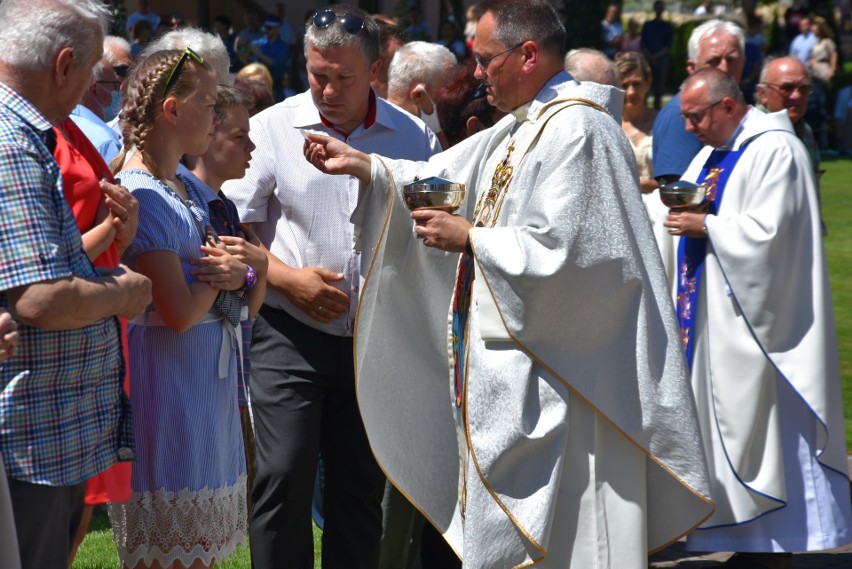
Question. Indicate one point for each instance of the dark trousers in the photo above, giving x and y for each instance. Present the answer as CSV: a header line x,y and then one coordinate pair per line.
x,y
659,74
303,400
46,520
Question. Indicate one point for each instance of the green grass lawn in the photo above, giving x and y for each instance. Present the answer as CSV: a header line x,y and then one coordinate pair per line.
x,y
837,211
98,551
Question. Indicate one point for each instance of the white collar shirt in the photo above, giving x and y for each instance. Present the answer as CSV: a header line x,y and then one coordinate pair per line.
x,y
301,214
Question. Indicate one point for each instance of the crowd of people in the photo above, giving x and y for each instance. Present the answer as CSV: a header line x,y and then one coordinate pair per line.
x,y
219,317
806,36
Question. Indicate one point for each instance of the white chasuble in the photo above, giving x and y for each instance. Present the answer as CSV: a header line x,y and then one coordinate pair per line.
x,y
579,440
765,371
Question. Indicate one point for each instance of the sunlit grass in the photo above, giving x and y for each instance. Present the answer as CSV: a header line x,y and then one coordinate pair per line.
x,y
837,211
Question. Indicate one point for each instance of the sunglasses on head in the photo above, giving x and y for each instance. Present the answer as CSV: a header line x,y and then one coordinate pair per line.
x,y
175,74
351,23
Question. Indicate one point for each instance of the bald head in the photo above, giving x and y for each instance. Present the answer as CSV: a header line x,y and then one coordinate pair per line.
x,y
591,65
712,105
785,84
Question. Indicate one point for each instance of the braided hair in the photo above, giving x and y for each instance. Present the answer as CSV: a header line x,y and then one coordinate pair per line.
x,y
143,98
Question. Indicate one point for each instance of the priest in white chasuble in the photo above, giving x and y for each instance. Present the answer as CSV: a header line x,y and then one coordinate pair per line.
x,y
529,395
756,319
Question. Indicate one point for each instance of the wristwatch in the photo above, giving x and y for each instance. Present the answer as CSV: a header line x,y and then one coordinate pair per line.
x,y
251,278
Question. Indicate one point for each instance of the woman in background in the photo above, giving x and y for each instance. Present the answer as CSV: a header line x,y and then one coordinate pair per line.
x,y
823,67
636,121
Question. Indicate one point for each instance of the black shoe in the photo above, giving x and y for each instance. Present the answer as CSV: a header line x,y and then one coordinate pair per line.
x,y
759,561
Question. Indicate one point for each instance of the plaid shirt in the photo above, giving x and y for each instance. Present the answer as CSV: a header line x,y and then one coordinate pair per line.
x,y
64,416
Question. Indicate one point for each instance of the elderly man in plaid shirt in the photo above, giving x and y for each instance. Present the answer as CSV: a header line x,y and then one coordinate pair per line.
x,y
63,414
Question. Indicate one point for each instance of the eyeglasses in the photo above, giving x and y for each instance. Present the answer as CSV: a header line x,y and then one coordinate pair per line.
x,y
111,85
351,23
121,70
698,115
786,89
173,76
482,62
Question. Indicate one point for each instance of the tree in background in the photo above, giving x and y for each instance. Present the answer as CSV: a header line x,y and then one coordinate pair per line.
x,y
583,22
119,18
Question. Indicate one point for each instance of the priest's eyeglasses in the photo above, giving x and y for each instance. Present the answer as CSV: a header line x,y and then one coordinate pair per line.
x,y
786,89
351,23
175,74
483,62
698,115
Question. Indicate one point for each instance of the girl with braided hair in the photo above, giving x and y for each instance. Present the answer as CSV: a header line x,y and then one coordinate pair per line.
x,y
188,503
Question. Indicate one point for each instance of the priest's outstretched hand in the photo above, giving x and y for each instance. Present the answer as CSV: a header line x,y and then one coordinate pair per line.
x,y
333,156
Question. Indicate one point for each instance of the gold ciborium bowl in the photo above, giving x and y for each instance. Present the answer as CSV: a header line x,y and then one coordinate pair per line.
x,y
433,193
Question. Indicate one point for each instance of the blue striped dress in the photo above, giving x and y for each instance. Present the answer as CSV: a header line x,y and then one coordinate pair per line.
x,y
188,481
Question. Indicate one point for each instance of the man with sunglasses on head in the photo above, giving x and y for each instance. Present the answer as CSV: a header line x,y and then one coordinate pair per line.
x,y
566,435
756,320
785,84
302,383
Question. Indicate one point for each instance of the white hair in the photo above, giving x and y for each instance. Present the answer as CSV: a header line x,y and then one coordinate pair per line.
x,y
587,64
418,62
710,28
113,44
98,71
207,45
32,32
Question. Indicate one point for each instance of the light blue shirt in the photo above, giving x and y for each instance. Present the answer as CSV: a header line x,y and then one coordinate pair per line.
x,y
103,138
802,46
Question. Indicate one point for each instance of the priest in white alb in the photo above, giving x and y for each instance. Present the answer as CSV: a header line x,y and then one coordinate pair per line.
x,y
755,312
529,396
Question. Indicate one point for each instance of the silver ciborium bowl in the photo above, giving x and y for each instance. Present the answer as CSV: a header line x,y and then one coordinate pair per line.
x,y
433,193
681,193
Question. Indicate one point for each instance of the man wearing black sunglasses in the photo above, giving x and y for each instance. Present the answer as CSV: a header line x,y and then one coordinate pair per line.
x,y
566,435
303,385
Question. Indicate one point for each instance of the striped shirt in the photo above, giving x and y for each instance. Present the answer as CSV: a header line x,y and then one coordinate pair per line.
x,y
64,416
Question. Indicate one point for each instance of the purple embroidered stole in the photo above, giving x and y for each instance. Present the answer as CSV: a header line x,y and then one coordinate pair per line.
x,y
692,251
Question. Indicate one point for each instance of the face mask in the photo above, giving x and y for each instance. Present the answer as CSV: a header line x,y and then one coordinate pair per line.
x,y
111,111
431,119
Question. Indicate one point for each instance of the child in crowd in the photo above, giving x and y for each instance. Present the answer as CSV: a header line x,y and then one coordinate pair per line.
x,y
227,158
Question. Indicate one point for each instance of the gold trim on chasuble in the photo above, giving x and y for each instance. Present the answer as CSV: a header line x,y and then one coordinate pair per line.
x,y
571,102
493,199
